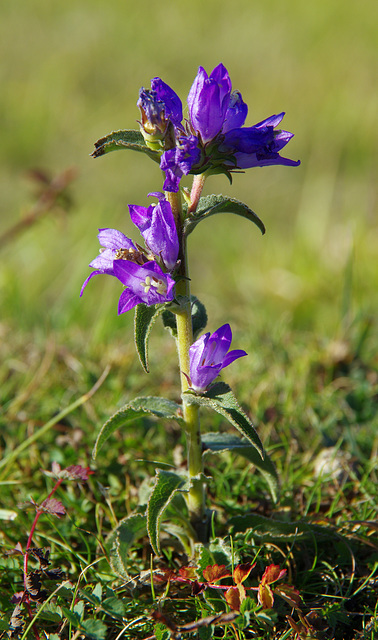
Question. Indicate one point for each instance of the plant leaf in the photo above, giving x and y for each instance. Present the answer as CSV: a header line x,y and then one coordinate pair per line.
x,y
210,205
123,139
122,538
144,319
271,530
218,442
150,405
166,485
221,399
94,629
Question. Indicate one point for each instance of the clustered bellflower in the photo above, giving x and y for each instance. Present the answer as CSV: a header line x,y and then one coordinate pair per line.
x,y
214,138
146,280
209,355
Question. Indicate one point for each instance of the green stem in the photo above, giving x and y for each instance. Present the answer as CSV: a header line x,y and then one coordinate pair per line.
x,y
196,496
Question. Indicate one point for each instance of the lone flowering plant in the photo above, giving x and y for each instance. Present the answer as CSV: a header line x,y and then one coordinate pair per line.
x,y
156,279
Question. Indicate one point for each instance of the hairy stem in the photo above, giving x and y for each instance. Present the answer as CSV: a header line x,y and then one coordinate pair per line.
x,y
196,497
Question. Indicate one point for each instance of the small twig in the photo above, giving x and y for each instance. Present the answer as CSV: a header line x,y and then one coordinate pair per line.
x,y
46,201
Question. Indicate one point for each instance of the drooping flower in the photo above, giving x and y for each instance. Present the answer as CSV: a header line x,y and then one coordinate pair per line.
x,y
209,355
115,246
145,283
158,228
159,106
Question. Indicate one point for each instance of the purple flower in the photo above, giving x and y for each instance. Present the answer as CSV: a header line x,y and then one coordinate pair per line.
x,y
145,284
208,101
116,245
257,146
159,106
158,228
179,161
208,356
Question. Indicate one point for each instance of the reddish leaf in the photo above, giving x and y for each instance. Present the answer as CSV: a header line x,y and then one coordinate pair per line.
x,y
232,596
290,594
53,506
265,596
188,573
241,572
76,472
272,573
215,572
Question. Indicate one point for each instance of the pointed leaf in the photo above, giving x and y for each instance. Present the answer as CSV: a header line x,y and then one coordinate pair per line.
x,y
122,538
272,573
124,139
218,442
270,530
144,319
137,408
210,205
166,485
221,399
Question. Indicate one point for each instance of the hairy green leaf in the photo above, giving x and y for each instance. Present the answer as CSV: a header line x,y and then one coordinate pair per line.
x,y
218,442
94,629
151,405
221,399
166,485
270,530
145,317
210,205
119,541
124,139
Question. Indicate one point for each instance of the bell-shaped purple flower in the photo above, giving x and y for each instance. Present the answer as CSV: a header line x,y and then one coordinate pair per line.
x,y
158,228
209,355
208,101
257,146
115,246
145,283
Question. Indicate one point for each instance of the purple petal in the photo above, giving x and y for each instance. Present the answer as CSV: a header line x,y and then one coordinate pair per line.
x,y
173,106
94,273
233,355
128,300
236,113
113,239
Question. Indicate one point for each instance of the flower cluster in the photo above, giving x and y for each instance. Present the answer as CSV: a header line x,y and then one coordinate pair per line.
x,y
144,272
213,139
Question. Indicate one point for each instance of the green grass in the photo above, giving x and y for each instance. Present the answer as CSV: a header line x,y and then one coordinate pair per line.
x,y
301,300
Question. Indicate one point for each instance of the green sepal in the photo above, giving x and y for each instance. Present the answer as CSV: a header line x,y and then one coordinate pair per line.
x,y
218,442
220,398
151,405
144,319
270,530
210,205
166,486
122,538
199,318
124,139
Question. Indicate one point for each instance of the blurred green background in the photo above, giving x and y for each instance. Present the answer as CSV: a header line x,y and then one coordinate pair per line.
x,y
70,73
